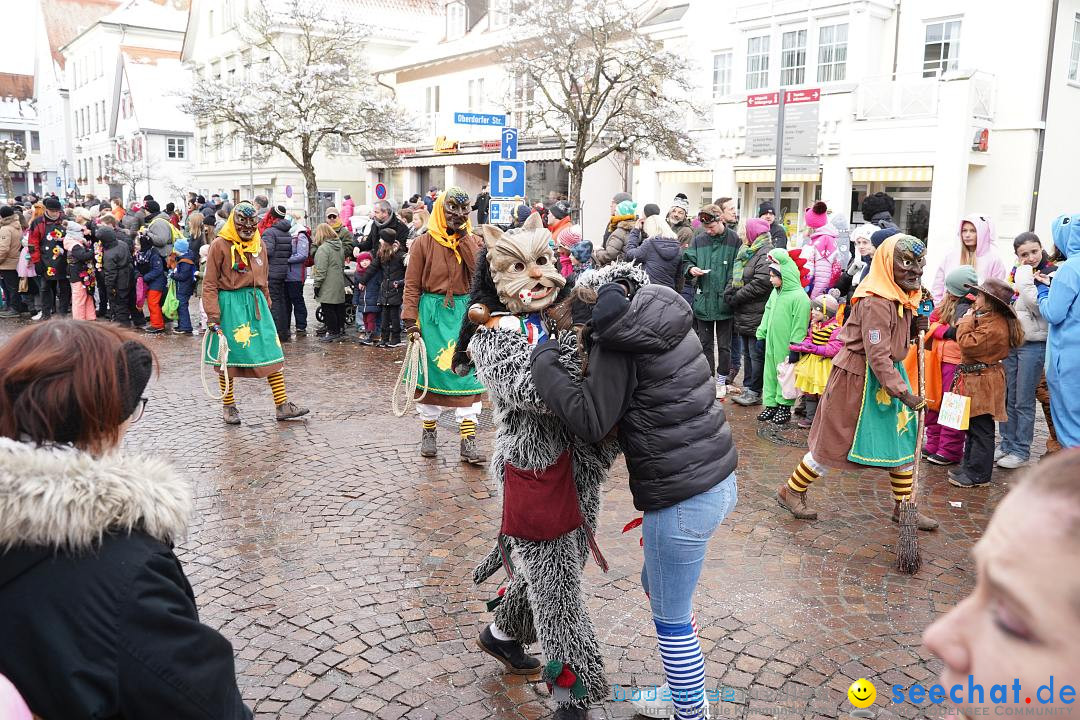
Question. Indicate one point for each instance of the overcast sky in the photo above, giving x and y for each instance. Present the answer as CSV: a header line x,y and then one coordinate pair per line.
x,y
17,50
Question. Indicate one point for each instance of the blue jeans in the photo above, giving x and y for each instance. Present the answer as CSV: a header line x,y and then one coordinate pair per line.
x,y
183,296
753,362
1023,368
676,539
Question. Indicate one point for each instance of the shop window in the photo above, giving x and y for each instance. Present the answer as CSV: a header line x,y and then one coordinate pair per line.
x,y
941,50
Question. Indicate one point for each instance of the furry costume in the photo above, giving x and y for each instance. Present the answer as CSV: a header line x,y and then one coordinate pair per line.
x,y
543,601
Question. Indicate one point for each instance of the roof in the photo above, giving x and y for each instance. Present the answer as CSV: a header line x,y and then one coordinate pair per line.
x,y
153,14
148,76
666,15
19,87
67,19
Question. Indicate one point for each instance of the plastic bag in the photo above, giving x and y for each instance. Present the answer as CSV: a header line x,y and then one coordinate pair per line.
x,y
170,307
785,375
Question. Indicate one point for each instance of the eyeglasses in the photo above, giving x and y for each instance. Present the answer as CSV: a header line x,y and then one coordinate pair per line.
x,y
707,218
331,217
139,410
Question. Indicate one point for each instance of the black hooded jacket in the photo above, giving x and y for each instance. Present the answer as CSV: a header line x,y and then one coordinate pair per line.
x,y
115,260
647,375
370,242
278,243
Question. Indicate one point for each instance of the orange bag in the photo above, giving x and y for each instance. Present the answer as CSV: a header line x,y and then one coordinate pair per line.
x,y
932,358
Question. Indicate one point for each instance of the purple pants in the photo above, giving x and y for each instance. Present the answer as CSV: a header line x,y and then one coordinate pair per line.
x,y
941,440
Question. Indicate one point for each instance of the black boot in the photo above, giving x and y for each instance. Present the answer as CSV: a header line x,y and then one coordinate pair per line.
x,y
767,414
510,653
782,416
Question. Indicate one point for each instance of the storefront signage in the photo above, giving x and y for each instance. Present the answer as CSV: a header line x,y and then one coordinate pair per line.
x,y
489,145
405,151
443,145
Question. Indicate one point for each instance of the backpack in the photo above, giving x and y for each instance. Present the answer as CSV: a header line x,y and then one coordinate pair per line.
x,y
144,231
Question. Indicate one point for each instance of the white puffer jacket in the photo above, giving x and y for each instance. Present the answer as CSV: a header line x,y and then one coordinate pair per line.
x,y
1027,305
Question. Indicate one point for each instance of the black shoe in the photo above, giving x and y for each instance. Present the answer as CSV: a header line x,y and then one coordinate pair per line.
x,y
153,331
782,416
570,712
960,479
767,414
939,459
509,652
367,339
189,333
395,343
301,331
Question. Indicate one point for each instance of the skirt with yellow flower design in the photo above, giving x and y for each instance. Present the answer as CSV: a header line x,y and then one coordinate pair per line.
x,y
440,324
254,347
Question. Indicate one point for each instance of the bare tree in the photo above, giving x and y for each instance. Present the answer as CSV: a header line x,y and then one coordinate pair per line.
x,y
316,92
585,73
128,172
12,155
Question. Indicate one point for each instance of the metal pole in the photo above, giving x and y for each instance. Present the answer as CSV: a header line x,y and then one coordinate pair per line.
x,y
779,154
1042,127
251,168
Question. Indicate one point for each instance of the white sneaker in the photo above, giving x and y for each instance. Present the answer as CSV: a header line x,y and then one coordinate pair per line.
x,y
1011,462
36,317
721,390
998,454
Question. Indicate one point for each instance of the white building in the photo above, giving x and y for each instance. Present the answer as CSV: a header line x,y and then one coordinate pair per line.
x,y
135,42
19,123
215,50
909,92
55,23
462,74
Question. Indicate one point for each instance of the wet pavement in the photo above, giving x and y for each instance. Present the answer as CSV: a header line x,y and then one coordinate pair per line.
x,y
338,561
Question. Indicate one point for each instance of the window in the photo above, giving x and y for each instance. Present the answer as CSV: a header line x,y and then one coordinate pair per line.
x,y
832,53
498,14
456,16
35,141
176,148
476,95
524,99
793,58
210,22
721,74
941,51
431,99
757,62
1074,56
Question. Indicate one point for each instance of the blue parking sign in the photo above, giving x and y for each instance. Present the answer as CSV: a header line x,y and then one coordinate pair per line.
x,y
509,145
507,178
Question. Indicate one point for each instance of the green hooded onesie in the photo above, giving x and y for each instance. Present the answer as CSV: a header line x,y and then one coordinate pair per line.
x,y
786,318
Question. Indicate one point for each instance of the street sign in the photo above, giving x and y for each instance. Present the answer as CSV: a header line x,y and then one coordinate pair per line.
x,y
508,150
59,182
467,118
800,122
507,178
501,212
71,185
288,191
380,191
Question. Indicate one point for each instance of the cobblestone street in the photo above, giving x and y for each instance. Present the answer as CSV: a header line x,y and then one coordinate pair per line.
x,y
338,561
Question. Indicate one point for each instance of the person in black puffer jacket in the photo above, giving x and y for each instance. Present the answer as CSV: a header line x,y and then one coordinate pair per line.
x,y
278,243
647,376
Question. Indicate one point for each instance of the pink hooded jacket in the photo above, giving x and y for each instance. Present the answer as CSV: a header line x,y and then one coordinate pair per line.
x,y
822,259
348,207
987,263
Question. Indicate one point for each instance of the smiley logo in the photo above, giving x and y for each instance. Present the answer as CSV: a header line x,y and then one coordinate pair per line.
x,y
862,693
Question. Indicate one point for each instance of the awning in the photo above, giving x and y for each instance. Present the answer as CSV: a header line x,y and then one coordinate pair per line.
x,y
768,176
685,176
892,174
472,158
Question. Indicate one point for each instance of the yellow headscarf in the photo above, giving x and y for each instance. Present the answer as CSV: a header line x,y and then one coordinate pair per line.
x,y
437,226
252,247
880,282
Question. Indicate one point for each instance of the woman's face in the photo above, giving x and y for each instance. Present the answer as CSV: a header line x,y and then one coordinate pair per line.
x,y
864,247
1021,623
1030,253
969,235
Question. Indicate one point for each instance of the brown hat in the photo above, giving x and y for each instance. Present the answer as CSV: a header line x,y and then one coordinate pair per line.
x,y
998,291
332,211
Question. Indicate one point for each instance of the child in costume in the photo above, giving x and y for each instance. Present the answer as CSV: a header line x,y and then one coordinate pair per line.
x,y
81,271
868,375
986,335
820,251
945,445
236,297
183,274
368,312
1058,296
787,315
974,246
1024,366
815,354
546,533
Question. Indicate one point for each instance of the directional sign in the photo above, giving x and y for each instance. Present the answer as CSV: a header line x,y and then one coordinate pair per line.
x,y
507,178
501,212
800,123
508,149
467,118
59,182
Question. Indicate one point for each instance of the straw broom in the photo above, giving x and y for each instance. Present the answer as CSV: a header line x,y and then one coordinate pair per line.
x,y
907,550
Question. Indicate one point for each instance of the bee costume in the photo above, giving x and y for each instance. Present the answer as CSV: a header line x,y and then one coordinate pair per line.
x,y
236,298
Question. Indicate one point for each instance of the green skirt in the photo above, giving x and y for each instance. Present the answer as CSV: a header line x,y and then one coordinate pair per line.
x,y
440,327
249,331
886,432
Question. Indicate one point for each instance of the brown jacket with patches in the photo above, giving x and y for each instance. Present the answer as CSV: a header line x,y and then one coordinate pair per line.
x,y
984,339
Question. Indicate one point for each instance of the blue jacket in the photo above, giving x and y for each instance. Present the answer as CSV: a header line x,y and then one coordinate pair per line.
x,y
301,241
152,268
184,274
1059,305
660,256
368,300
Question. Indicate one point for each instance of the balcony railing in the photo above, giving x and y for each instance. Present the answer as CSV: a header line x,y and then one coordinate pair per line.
x,y
913,96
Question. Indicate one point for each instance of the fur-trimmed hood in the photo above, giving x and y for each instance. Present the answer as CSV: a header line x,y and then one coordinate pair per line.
x,y
595,278
64,498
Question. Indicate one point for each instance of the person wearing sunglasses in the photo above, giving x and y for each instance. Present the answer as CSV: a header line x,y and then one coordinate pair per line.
x,y
709,261
97,615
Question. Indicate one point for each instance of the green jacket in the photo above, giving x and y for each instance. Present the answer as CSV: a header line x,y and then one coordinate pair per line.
x,y
715,253
785,322
329,276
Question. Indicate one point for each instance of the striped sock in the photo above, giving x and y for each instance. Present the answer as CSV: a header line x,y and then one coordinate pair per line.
x,y
804,475
468,428
277,386
901,484
429,424
684,668
228,398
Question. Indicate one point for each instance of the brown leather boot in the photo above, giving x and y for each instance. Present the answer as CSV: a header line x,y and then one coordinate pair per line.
x,y
925,522
795,503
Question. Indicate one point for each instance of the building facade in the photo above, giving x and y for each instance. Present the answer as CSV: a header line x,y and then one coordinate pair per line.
x,y
940,104
19,123
216,52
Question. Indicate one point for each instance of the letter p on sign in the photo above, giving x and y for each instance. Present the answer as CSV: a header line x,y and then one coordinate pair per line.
x,y
507,178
